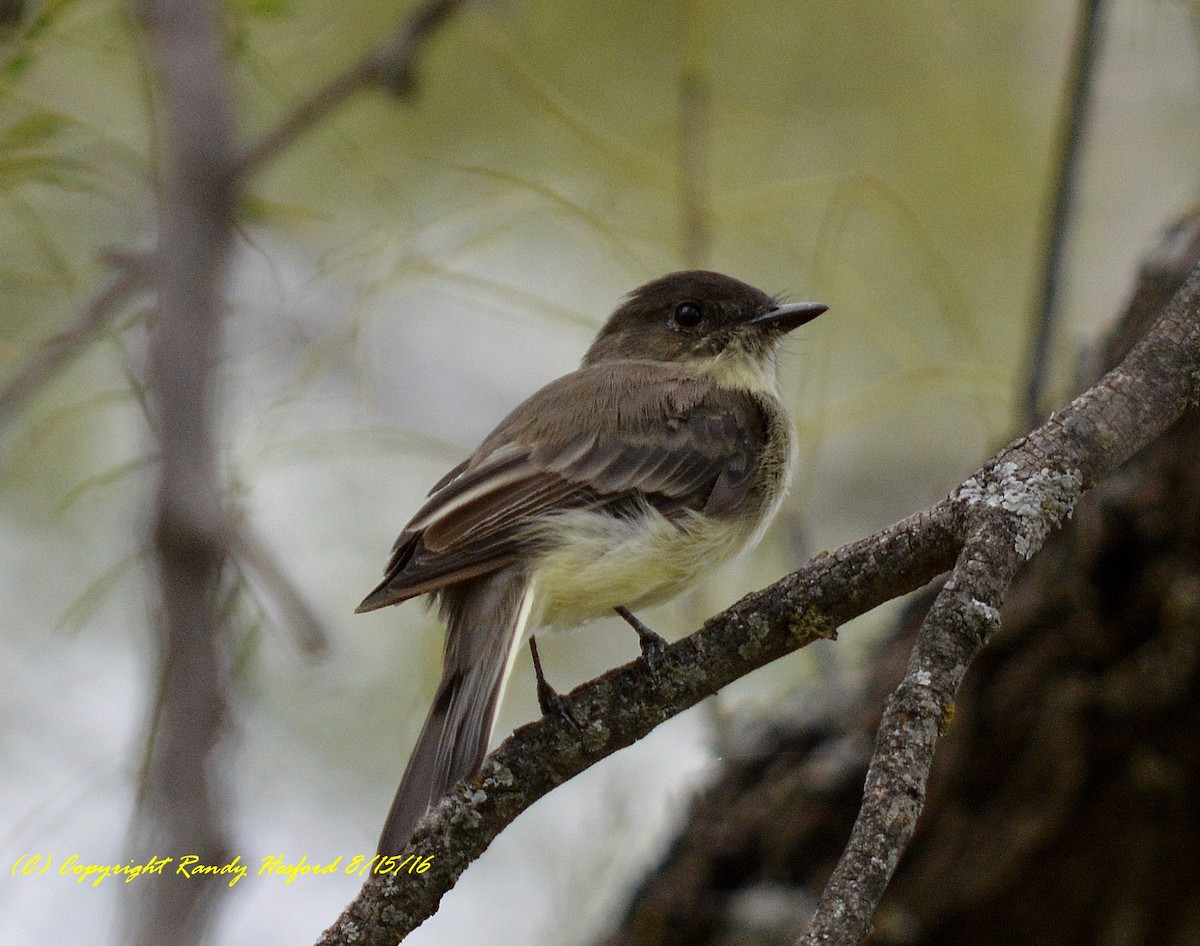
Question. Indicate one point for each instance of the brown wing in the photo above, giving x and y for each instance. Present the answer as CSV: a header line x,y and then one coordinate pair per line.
x,y
627,432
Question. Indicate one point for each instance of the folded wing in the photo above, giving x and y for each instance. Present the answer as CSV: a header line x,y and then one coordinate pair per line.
x,y
643,434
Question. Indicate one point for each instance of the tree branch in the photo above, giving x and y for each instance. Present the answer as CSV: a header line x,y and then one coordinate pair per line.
x,y
58,351
1013,503
1066,167
695,120
985,529
179,807
392,65
625,704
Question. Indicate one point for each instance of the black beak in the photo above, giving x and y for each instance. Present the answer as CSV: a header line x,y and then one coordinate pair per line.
x,y
784,318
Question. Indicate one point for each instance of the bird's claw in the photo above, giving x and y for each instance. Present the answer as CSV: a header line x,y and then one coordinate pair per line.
x,y
653,645
550,703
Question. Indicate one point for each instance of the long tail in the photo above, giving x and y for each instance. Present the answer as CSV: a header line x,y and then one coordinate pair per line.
x,y
485,620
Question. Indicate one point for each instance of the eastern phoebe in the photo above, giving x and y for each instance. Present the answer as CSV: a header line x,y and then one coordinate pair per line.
x,y
616,486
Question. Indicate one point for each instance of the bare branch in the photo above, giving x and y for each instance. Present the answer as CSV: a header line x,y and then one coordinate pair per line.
x,y
262,567
58,351
986,529
392,66
695,118
1013,503
1066,168
191,537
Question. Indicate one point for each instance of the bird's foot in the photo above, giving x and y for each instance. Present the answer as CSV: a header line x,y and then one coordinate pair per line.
x,y
653,645
550,703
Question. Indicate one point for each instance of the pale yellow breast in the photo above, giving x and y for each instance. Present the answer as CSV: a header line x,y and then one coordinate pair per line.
x,y
599,562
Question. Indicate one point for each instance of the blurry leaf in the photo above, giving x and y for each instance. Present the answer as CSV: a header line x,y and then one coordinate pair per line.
x,y
866,196
25,38
34,129
266,8
246,648
638,163
31,152
254,208
24,279
77,411
55,171
107,478
41,237
48,15
336,445
88,601
17,64
945,381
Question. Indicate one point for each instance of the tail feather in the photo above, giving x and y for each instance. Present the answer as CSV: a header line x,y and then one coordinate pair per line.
x,y
485,621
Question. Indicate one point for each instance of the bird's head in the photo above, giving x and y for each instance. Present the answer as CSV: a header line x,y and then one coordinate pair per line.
x,y
704,321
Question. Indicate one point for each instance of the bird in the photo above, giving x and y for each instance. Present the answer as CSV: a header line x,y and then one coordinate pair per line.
x,y
614,487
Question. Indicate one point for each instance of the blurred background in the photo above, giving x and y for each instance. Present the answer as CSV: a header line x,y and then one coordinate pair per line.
x,y
406,260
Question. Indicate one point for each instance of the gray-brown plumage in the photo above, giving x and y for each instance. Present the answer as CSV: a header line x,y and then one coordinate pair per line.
x,y
616,485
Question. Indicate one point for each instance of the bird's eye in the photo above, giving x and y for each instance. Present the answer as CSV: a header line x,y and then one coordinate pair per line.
x,y
687,315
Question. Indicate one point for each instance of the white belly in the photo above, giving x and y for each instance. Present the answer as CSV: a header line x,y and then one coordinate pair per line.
x,y
601,562
598,562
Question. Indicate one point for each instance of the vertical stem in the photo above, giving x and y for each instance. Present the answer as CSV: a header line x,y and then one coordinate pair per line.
x,y
1070,136
695,114
179,811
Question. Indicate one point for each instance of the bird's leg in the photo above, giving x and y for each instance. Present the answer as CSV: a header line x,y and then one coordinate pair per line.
x,y
549,701
653,644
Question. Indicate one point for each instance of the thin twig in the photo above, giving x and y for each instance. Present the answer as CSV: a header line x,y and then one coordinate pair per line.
x,y
695,108
392,66
260,566
59,351
989,526
1066,164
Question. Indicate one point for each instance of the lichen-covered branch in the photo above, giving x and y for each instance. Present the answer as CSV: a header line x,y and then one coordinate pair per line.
x,y
985,529
1012,505
1073,735
625,704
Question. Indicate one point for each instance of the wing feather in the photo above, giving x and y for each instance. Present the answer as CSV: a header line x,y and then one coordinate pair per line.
x,y
649,431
